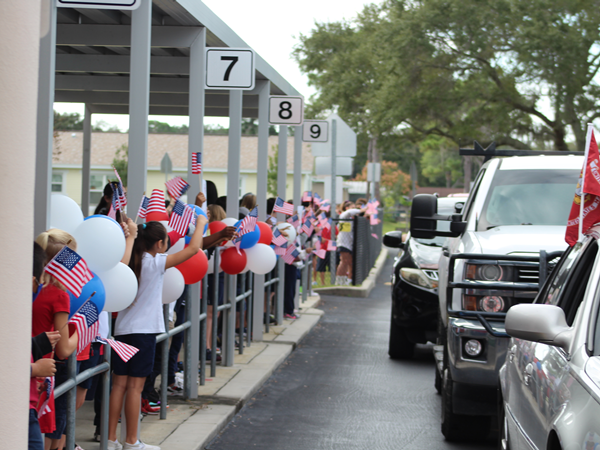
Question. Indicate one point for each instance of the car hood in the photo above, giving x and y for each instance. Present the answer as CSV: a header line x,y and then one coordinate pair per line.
x,y
522,239
425,256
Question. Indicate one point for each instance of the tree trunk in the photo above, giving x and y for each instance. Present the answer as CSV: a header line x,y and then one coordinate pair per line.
x,y
369,156
375,159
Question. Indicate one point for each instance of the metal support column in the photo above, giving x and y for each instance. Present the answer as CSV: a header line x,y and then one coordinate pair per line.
x,y
281,192
139,99
45,118
333,215
86,161
261,199
297,167
233,195
195,144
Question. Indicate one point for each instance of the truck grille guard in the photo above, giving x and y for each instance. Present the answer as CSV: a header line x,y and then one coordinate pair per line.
x,y
484,317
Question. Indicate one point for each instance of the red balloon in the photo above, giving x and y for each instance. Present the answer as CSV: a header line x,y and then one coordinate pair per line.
x,y
156,216
194,269
216,226
266,234
233,262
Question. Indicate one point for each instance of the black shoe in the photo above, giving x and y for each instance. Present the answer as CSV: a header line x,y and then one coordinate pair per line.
x,y
153,396
209,356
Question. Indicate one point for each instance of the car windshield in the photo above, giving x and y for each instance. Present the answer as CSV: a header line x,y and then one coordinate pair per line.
x,y
529,197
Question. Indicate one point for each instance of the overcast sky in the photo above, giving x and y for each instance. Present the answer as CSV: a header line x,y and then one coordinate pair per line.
x,y
271,28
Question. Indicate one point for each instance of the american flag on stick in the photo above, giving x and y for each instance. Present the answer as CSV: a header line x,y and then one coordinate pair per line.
x,y
307,227
46,400
278,239
321,253
325,206
331,246
307,196
86,323
291,254
125,351
177,187
120,191
144,205
281,250
197,162
294,220
284,207
248,223
70,269
181,218
317,199
157,202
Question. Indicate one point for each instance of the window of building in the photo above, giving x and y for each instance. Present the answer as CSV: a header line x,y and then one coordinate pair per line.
x,y
97,183
58,182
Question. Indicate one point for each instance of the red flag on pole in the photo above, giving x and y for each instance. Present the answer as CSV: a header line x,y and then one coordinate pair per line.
x,y
585,214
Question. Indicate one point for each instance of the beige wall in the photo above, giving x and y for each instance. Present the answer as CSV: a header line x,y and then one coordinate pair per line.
x,y
19,49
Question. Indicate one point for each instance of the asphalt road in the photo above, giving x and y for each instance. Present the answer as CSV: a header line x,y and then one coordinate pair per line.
x,y
339,389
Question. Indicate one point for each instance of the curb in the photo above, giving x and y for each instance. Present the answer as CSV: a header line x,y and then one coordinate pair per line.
x,y
364,290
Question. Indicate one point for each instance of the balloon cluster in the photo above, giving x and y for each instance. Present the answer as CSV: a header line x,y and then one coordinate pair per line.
x,y
254,254
101,243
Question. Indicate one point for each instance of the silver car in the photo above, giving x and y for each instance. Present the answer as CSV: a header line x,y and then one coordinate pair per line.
x,y
550,381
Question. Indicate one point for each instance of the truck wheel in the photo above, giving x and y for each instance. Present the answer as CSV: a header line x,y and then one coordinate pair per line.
x,y
457,427
400,347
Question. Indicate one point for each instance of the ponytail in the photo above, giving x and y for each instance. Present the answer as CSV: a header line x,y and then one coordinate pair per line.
x,y
52,242
149,234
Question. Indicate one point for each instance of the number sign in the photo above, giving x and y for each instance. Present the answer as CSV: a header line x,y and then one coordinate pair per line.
x,y
315,131
286,110
100,4
230,68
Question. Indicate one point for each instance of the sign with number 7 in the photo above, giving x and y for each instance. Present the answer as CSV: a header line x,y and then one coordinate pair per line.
x,y
286,110
230,68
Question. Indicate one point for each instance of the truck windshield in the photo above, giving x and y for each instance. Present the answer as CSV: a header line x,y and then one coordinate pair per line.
x,y
529,197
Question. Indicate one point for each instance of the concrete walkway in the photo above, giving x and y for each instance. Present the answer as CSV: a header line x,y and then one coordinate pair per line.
x,y
191,424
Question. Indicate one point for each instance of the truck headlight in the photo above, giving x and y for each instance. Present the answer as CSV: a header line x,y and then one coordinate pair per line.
x,y
488,272
418,278
486,303
473,347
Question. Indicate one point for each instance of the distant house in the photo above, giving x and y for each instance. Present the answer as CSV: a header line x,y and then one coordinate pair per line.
x,y
67,161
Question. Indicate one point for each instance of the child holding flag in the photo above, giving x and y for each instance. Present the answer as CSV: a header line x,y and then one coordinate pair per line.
x,y
139,324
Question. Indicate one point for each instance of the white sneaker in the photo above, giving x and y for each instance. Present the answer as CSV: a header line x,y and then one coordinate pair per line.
x,y
139,445
114,445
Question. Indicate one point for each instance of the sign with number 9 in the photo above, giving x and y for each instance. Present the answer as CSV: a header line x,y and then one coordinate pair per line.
x,y
315,131
286,110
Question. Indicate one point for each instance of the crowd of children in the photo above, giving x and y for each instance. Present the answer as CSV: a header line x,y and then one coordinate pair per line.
x,y
132,387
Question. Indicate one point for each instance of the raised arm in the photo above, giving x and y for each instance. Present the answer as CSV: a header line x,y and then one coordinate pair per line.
x,y
193,247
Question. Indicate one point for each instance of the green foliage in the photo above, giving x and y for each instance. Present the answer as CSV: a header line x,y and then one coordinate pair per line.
x,y
121,162
67,121
154,126
272,173
460,70
440,164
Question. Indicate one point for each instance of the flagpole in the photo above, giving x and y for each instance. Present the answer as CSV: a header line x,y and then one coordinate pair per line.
x,y
588,141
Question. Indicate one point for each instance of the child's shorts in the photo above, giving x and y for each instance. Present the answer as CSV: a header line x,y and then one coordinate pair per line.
x,y
141,364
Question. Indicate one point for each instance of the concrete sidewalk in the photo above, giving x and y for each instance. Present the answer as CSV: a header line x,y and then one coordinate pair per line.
x,y
192,424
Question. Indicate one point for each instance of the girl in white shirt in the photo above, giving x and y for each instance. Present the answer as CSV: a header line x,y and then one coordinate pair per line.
x,y
139,324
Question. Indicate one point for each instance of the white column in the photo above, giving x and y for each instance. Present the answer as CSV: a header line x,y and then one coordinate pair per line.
x,y
281,192
19,53
139,105
86,161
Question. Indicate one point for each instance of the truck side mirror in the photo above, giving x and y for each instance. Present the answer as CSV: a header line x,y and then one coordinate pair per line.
x,y
393,239
422,222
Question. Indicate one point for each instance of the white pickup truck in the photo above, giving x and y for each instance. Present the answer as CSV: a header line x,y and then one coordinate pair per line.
x,y
500,249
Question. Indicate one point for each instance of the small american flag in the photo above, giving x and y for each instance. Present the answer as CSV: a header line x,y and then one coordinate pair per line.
x,y
294,220
70,269
177,187
325,206
125,351
317,199
86,323
116,203
46,400
120,191
307,227
331,246
372,206
181,218
282,206
278,238
321,253
144,207
290,255
307,196
248,223
373,219
281,250
157,202
197,162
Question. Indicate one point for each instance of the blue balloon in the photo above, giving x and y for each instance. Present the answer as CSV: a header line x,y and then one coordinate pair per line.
x,y
200,212
95,284
249,239
187,240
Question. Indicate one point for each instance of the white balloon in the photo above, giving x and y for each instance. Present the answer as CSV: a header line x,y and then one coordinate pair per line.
x,y
101,242
165,224
120,285
178,246
289,229
230,221
173,285
65,214
261,259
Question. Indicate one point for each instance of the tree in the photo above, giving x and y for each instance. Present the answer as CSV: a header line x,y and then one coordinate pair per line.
x,y
67,121
394,183
154,126
121,162
272,172
440,162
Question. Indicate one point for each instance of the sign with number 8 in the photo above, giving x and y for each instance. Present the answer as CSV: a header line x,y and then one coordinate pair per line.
x,y
286,110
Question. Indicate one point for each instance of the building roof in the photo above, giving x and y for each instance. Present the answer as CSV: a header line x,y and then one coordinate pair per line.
x,y
68,147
